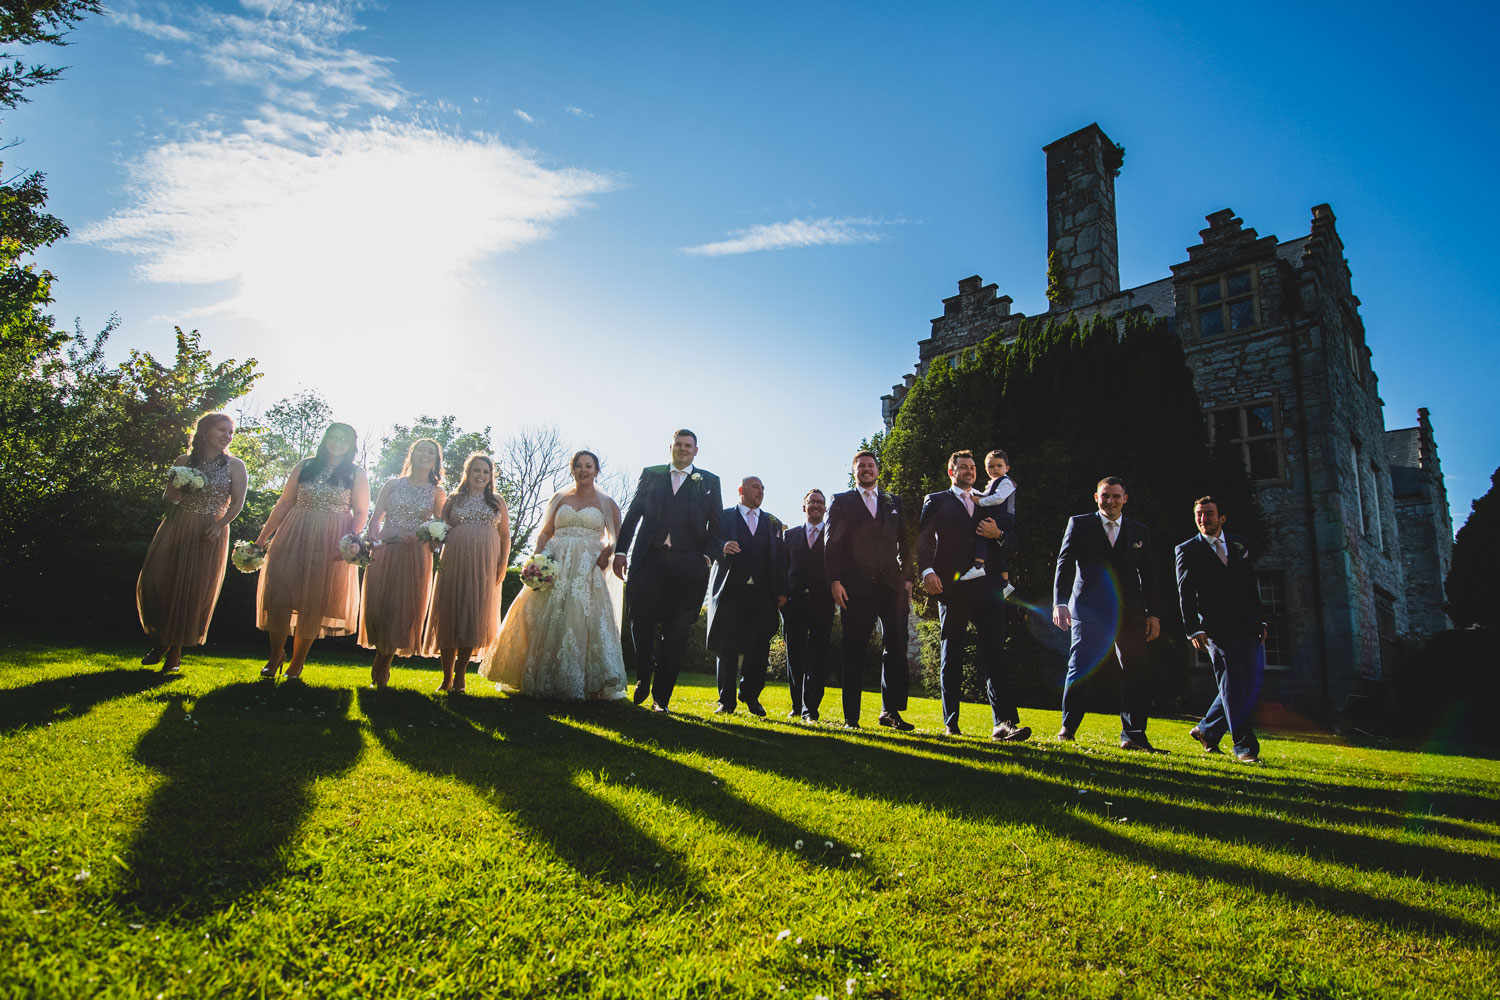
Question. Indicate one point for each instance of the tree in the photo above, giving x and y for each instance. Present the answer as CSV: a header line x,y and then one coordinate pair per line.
x,y
457,445
1071,404
1476,553
531,466
35,22
271,445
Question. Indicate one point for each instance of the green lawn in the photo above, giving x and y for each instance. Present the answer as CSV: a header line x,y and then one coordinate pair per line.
x,y
215,835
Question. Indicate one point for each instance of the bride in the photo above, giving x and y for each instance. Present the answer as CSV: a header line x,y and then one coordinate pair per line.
x,y
564,643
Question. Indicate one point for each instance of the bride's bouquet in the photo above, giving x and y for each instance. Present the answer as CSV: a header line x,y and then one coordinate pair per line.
x,y
356,549
247,556
540,572
185,477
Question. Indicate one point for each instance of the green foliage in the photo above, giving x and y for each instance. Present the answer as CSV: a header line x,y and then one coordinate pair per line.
x,y
272,445
457,445
1476,553
1114,159
35,22
1071,404
1058,292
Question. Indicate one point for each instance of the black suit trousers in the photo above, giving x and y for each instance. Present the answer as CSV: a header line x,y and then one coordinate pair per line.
x,y
808,625
976,601
666,592
1095,641
865,604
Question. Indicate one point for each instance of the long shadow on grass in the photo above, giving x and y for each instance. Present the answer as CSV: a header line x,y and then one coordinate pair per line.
x,y
531,761
61,698
1041,792
239,771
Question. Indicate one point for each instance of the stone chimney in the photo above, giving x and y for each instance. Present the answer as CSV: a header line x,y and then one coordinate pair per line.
x,y
1081,215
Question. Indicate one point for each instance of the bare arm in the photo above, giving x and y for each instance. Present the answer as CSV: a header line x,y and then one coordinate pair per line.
x,y
502,525
170,493
549,522
377,517
284,505
611,532
360,503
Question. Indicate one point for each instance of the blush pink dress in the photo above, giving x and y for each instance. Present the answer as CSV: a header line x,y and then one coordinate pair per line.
x,y
466,597
398,581
304,581
180,579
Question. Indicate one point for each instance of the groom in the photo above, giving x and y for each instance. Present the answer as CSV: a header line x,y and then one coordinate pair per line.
x,y
676,509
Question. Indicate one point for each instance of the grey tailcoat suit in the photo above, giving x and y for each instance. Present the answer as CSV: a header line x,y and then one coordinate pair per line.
x,y
742,602
1110,592
1223,601
667,582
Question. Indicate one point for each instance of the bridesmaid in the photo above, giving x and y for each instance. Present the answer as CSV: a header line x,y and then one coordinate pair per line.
x,y
398,580
305,587
465,615
184,569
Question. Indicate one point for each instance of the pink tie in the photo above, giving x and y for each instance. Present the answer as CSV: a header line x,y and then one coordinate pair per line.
x,y
968,503
1222,552
750,519
870,501
676,480
1111,525
812,536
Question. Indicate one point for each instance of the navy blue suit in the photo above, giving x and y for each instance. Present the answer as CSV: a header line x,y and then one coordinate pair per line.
x,y
1110,592
742,602
945,545
1223,601
867,554
807,618
667,582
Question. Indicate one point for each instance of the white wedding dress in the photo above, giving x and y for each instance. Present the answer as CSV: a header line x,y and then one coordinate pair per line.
x,y
564,643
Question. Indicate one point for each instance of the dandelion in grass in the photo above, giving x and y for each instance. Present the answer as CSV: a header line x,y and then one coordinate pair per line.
x,y
828,844
849,986
856,854
798,845
786,932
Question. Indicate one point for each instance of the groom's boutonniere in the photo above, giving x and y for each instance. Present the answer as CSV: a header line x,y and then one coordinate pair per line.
x,y
696,477
1137,545
1239,550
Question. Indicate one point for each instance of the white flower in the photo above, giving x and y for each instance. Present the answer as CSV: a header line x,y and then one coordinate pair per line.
x,y
849,986
828,844
185,477
785,933
82,876
856,854
695,477
798,845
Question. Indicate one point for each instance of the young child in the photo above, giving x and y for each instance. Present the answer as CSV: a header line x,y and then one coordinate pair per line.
x,y
1000,492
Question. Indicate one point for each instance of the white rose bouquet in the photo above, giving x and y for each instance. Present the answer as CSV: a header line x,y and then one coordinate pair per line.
x,y
432,532
185,477
247,557
540,572
356,549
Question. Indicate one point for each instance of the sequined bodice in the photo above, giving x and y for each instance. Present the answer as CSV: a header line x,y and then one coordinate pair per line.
x,y
470,508
324,496
214,497
407,505
575,523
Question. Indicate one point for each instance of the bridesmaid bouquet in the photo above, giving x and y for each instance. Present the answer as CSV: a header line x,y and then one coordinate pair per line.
x,y
540,572
185,477
432,532
356,549
247,556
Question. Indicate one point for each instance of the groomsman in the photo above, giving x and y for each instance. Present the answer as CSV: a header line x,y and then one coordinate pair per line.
x,y
869,576
748,588
1105,593
945,550
1221,609
807,616
673,522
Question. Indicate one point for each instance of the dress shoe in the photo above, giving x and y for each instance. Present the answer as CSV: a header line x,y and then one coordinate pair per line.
x,y
1247,757
1202,737
809,716
894,721
1140,745
658,707
1007,733
952,730
795,713
721,709
754,708
1066,735
850,725
642,692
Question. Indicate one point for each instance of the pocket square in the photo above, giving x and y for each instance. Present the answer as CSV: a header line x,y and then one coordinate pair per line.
x,y
1137,545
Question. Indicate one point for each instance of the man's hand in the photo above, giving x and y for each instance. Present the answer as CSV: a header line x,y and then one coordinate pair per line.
x,y
620,565
731,548
932,584
1153,628
1200,642
1061,618
840,595
989,529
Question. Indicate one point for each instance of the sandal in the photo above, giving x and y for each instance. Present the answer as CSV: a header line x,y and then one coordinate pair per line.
x,y
269,671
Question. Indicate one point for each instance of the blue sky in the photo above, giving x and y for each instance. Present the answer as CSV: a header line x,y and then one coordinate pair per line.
x,y
739,218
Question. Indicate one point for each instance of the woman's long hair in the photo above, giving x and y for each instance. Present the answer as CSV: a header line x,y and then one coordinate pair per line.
x,y
343,473
489,487
436,475
198,446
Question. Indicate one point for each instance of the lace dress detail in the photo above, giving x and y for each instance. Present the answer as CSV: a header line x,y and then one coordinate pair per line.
x,y
183,572
564,643
398,581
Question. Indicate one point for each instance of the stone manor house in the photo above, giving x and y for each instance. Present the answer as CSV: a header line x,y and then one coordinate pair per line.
x,y
1360,539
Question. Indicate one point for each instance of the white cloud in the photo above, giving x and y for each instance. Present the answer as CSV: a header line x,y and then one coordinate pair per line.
x,y
155,29
158,59
794,233
574,109
371,232
524,116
